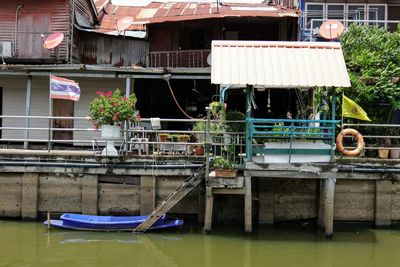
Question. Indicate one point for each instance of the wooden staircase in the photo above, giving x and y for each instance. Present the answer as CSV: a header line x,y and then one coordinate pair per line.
x,y
190,183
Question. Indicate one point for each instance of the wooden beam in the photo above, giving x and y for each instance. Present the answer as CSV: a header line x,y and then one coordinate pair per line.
x,y
209,209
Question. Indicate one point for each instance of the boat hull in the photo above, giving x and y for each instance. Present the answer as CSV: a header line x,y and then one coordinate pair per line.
x,y
106,222
61,224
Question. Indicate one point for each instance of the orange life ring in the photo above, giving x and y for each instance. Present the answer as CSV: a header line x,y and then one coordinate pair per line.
x,y
360,142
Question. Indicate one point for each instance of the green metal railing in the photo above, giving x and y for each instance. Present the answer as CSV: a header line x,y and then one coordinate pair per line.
x,y
260,131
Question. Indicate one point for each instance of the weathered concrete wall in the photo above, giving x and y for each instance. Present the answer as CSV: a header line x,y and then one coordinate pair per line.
x,y
354,200
10,195
28,195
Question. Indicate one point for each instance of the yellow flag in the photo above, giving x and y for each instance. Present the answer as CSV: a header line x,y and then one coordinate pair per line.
x,y
352,110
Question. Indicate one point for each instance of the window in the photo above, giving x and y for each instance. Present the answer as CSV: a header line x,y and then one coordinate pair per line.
x,y
355,12
343,12
335,11
314,11
376,12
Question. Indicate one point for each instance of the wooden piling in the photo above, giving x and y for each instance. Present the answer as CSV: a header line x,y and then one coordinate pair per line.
x,y
209,209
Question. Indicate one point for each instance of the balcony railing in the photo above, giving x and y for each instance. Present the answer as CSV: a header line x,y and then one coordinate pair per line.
x,y
179,59
265,139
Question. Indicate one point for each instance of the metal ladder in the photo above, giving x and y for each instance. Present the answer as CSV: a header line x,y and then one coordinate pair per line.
x,y
188,185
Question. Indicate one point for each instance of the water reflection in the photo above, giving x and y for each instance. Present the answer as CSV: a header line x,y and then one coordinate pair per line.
x,y
29,244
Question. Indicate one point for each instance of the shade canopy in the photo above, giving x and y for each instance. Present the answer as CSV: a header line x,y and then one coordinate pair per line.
x,y
278,64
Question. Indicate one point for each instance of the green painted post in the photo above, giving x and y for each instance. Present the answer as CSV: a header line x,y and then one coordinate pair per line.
x,y
333,117
249,150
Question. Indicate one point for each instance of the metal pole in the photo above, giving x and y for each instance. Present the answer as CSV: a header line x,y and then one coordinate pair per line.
x,y
333,125
50,116
207,145
27,109
126,124
249,151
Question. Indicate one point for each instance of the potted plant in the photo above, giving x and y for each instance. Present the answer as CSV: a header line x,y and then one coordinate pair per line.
x,y
184,138
217,125
383,153
109,111
224,167
163,137
395,152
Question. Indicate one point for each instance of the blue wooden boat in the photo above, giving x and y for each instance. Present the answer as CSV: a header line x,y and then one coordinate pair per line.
x,y
108,223
166,224
105,222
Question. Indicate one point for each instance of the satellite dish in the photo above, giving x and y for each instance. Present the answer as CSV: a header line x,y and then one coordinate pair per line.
x,y
53,40
209,59
124,23
331,29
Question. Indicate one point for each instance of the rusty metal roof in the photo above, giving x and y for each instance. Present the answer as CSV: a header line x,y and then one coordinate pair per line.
x,y
278,64
158,12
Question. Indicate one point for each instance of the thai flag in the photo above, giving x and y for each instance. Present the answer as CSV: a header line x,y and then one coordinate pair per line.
x,y
61,88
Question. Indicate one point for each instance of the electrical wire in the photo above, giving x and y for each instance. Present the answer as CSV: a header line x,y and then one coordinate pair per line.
x,y
179,106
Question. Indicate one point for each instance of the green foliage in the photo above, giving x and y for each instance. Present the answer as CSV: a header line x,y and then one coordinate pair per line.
x,y
222,163
235,126
372,57
217,121
112,108
281,133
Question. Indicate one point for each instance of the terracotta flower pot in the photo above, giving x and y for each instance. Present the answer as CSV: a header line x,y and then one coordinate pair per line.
x,y
199,150
163,137
225,173
183,138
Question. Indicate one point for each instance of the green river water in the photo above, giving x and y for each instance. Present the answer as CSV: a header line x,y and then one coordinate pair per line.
x,y
30,244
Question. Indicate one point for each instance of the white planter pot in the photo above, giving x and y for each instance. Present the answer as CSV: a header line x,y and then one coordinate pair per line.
x,y
296,158
110,133
394,153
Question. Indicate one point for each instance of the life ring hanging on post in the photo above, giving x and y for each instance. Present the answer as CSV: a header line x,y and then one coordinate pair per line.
x,y
360,142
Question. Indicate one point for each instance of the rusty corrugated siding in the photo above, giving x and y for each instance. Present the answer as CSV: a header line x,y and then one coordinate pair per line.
x,y
83,9
7,20
34,19
110,50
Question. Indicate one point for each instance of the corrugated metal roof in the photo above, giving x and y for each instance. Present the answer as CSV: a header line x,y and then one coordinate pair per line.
x,y
157,12
278,64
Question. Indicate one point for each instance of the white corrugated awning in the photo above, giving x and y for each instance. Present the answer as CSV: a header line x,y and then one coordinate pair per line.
x,y
278,64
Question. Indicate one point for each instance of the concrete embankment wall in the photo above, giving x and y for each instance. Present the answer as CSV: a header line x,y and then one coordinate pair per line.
x,y
376,198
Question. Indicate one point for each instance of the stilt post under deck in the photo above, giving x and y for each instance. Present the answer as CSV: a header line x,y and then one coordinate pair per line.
x,y
209,209
329,192
247,205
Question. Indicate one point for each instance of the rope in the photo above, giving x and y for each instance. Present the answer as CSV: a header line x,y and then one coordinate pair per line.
x,y
179,106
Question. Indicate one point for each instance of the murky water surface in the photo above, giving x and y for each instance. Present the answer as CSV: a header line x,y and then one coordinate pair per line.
x,y
29,244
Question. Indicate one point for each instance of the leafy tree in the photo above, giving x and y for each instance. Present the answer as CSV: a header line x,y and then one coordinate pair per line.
x,y
372,57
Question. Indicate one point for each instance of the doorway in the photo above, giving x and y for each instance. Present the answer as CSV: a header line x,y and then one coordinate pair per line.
x,y
63,108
